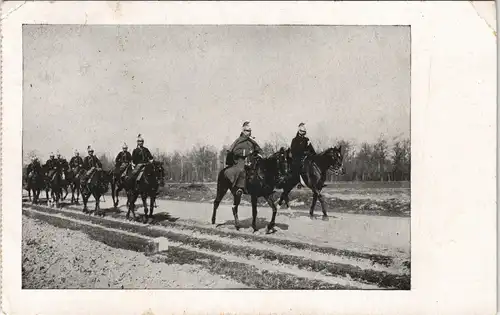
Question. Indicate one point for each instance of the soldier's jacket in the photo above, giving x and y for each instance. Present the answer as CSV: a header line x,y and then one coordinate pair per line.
x,y
76,161
32,166
300,146
91,161
62,163
243,147
51,164
141,155
123,157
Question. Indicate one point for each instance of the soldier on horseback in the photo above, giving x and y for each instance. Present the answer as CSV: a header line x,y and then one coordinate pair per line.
x,y
51,165
140,156
62,164
238,153
33,166
300,149
91,164
76,162
122,161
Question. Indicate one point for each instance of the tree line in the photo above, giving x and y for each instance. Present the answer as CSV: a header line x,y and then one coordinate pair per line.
x,y
377,161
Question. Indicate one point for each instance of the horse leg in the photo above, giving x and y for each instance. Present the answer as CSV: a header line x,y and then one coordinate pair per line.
x,y
152,205
65,195
254,213
85,200
236,203
315,198
222,187
77,194
284,196
114,195
98,205
323,206
270,226
144,198
131,204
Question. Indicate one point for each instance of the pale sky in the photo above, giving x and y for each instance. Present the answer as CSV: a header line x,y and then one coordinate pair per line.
x,y
183,85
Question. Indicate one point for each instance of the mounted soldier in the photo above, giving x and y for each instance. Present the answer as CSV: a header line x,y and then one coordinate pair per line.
x,y
52,166
122,161
140,156
33,166
91,164
237,156
300,149
76,162
62,164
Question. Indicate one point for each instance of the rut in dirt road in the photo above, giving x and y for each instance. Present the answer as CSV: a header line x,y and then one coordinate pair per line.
x,y
354,269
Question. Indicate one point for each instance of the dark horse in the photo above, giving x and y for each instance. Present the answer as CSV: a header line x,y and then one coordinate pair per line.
x,y
35,182
313,172
147,186
262,177
73,176
118,184
54,183
96,186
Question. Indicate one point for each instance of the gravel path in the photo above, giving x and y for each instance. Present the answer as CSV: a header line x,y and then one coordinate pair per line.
x,y
63,259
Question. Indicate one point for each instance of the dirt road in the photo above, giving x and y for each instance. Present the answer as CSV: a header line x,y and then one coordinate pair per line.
x,y
387,235
59,258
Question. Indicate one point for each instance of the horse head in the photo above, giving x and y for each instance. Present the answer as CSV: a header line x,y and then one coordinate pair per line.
x,y
335,159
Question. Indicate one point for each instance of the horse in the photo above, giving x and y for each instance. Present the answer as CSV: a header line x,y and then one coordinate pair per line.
x,y
54,183
147,186
65,183
313,173
262,178
97,186
35,182
73,176
118,184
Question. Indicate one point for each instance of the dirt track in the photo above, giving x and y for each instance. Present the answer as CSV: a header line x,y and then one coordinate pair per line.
x,y
303,254
364,233
58,258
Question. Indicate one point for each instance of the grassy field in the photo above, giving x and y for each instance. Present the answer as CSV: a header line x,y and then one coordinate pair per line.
x,y
373,198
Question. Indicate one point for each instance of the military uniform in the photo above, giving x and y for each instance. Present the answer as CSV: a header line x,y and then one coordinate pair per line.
x,y
34,165
241,148
300,148
122,160
51,166
76,162
90,163
140,156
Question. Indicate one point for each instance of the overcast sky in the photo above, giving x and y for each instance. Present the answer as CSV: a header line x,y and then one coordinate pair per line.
x,y
183,85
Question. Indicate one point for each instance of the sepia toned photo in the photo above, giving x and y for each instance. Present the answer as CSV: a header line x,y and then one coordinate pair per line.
x,y
252,157
243,157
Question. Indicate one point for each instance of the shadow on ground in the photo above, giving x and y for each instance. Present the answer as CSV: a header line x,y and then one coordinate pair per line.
x,y
247,223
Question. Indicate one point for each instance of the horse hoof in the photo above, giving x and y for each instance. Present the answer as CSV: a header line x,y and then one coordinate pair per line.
x,y
325,217
270,230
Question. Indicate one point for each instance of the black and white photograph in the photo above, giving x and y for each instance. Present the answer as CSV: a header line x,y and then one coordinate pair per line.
x,y
265,157
283,157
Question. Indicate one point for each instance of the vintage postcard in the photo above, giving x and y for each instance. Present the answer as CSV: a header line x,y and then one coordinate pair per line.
x,y
271,158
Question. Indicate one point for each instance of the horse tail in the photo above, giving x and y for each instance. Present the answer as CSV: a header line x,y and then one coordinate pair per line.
x,y
223,184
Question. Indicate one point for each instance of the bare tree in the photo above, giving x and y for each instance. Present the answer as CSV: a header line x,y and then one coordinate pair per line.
x,y
379,157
